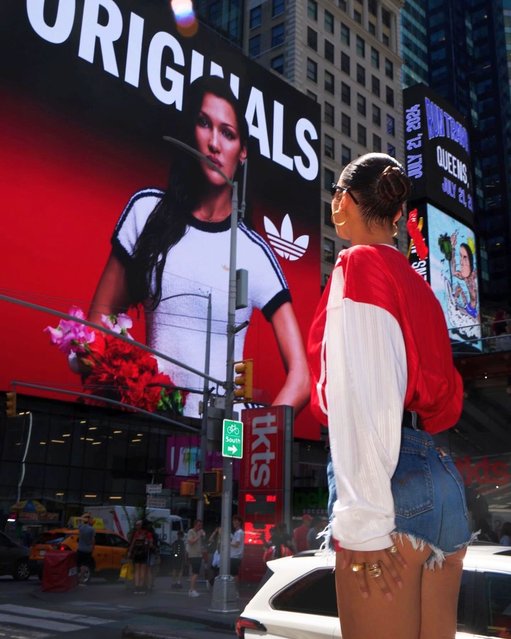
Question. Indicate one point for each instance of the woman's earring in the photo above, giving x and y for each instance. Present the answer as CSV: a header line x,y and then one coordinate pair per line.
x,y
333,219
395,228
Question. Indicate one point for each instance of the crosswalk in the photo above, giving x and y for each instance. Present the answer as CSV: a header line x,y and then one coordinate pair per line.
x,y
26,622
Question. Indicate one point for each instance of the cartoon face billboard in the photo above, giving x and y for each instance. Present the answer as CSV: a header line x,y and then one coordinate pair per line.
x,y
453,275
91,91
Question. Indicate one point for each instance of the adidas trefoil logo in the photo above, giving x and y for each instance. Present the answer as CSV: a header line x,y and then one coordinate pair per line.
x,y
284,243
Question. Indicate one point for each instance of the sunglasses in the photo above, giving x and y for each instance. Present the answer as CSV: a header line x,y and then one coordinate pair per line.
x,y
335,188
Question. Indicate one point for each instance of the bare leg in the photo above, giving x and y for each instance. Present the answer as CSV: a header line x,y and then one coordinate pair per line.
x,y
377,616
440,589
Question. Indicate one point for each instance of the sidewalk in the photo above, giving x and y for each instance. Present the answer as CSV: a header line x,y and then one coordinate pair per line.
x,y
164,601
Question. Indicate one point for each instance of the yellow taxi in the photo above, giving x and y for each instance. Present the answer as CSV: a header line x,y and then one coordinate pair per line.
x,y
109,551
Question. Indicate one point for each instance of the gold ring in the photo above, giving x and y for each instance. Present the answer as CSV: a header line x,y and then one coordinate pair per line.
x,y
393,550
357,567
374,570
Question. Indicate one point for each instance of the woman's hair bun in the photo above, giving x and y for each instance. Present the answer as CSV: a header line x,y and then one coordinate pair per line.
x,y
393,185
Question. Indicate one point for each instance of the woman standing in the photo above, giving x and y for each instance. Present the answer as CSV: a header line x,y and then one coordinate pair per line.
x,y
171,248
139,550
384,380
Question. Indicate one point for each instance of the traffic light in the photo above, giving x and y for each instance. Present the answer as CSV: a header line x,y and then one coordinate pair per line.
x,y
10,404
244,379
212,482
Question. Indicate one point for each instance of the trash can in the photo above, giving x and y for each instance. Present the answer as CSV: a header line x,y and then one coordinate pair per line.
x,y
60,572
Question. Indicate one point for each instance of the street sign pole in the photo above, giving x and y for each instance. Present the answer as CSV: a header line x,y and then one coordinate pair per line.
x,y
225,597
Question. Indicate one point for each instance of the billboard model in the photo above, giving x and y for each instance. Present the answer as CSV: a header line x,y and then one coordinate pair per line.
x,y
90,92
437,149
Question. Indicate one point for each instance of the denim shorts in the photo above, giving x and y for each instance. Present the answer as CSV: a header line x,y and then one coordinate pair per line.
x,y
429,497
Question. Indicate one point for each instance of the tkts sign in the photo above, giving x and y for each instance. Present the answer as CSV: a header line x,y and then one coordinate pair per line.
x,y
263,453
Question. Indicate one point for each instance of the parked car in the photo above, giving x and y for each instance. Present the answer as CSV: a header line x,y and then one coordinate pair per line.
x,y
298,598
13,559
109,551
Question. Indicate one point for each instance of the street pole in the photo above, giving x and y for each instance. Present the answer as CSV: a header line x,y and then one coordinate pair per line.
x,y
204,427
225,597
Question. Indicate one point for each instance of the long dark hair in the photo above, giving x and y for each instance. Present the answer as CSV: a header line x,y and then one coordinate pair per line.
x,y
168,221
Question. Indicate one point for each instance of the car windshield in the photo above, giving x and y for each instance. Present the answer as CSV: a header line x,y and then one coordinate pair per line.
x,y
51,537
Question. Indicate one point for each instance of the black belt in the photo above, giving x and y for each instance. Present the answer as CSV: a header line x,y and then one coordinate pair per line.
x,y
411,420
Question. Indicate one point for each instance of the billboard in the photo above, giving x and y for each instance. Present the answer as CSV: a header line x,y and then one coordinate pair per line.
x,y
437,149
453,275
91,89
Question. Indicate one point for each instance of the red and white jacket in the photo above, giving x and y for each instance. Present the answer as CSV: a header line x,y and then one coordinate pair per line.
x,y
378,344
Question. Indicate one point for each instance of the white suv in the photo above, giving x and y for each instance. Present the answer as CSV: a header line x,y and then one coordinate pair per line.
x,y
298,598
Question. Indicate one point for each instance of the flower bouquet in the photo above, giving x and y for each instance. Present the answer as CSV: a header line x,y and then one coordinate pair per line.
x,y
113,368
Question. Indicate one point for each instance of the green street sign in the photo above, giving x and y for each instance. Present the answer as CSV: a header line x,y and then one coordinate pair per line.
x,y
232,439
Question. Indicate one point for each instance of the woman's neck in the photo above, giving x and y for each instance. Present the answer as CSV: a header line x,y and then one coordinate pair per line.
x,y
215,206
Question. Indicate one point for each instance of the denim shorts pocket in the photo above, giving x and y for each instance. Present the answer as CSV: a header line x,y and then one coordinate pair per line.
x,y
412,484
451,469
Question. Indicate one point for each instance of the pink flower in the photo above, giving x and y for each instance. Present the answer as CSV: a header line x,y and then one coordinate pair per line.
x,y
69,336
118,323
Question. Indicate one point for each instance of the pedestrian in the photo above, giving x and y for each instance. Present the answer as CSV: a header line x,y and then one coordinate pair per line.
x,y
139,548
194,550
160,234
314,538
237,546
300,533
281,544
86,539
154,554
177,559
379,337
214,542
505,534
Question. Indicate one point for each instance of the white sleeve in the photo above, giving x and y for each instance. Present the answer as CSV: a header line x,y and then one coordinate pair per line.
x,y
134,217
366,385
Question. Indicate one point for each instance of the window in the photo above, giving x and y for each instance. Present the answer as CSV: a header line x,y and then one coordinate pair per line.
x,y
329,114
345,35
371,28
312,95
345,124
361,104
327,214
277,64
329,147
376,143
391,150
277,7
385,39
329,22
312,9
376,115
254,46
375,58
277,35
343,5
345,62
389,96
385,17
391,125
389,69
255,17
328,178
361,75
329,51
312,70
375,86
345,93
357,16
312,39
361,47
361,134
372,5
345,155
329,82
328,251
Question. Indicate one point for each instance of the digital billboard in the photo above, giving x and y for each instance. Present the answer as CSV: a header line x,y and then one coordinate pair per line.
x,y
453,275
91,90
437,150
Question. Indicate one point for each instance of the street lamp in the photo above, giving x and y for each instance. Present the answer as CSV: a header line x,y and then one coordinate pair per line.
x,y
205,400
